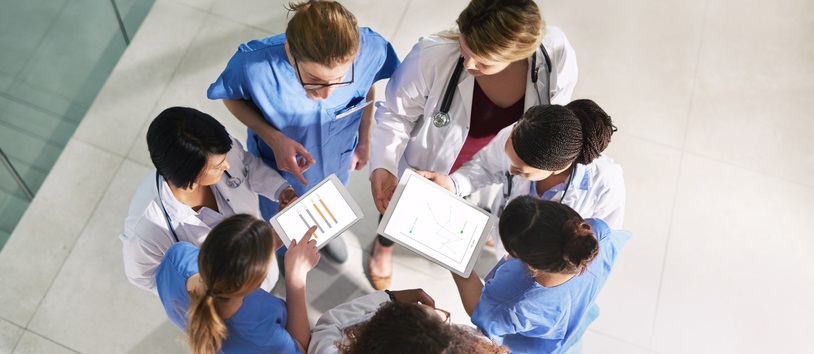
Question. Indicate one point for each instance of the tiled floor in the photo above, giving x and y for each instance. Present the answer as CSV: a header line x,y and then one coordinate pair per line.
x,y
54,58
711,98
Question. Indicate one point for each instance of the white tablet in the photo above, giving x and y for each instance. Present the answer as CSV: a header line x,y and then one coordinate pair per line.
x,y
436,224
328,205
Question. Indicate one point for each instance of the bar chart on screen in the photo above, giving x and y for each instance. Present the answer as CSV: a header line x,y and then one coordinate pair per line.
x,y
323,207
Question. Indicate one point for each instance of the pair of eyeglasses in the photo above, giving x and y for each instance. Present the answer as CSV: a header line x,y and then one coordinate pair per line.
x,y
443,314
316,86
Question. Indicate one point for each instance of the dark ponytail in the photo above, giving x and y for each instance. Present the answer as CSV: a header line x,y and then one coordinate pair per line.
x,y
597,129
552,137
548,236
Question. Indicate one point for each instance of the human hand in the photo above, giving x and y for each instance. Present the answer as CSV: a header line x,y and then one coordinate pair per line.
x,y
360,157
439,179
287,196
301,257
413,296
290,155
383,185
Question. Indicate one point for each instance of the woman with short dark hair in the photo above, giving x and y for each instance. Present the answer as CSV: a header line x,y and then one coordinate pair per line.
x,y
202,176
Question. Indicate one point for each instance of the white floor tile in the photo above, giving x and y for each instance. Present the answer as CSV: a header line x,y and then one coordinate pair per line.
x,y
140,77
261,14
752,91
31,343
628,302
737,269
381,16
91,306
594,342
634,60
203,62
420,22
205,5
9,336
47,232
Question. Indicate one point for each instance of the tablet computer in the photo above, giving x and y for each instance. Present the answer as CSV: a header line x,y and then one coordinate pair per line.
x,y
436,224
328,205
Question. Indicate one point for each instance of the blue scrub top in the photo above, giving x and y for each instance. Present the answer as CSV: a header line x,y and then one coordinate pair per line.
x,y
258,326
260,73
516,311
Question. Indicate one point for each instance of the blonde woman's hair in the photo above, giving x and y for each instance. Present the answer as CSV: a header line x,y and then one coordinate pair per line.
x,y
324,32
500,30
233,261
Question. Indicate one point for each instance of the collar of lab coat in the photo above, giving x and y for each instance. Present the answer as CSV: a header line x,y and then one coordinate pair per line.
x,y
531,92
180,211
581,178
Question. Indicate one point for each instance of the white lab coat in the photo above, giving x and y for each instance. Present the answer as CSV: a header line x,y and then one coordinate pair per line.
x,y
597,189
146,236
404,134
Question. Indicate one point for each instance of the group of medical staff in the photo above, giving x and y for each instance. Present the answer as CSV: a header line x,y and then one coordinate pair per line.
x,y
483,109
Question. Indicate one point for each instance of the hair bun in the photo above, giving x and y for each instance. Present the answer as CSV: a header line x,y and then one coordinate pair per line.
x,y
580,246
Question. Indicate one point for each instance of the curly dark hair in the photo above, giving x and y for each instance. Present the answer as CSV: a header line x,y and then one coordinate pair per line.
x,y
406,328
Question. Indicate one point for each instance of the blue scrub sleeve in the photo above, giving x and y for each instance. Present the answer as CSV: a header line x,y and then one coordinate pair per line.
x,y
391,62
230,83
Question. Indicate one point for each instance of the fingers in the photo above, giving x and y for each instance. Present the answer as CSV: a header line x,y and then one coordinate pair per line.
x,y
430,175
424,298
307,237
353,163
304,153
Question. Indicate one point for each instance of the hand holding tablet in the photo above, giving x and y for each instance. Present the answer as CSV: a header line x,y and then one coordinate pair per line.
x,y
328,206
436,224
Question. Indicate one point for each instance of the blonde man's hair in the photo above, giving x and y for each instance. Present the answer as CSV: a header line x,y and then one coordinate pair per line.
x,y
324,32
500,30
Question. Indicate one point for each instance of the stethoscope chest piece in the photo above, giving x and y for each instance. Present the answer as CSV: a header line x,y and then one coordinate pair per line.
x,y
441,119
235,182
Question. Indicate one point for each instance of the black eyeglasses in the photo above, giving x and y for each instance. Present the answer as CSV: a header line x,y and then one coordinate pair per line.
x,y
315,86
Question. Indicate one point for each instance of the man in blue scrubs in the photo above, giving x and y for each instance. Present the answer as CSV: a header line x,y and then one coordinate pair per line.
x,y
304,95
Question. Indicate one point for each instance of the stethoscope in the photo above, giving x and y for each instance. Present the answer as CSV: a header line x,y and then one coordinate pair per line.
x,y
235,182
231,182
507,188
442,119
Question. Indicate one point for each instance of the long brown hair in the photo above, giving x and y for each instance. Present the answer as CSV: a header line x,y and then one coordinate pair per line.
x,y
233,261
324,32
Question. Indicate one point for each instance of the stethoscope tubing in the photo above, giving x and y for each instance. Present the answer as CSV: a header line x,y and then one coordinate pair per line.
x,y
442,119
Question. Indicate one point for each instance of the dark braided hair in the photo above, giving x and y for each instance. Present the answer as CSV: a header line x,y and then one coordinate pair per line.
x,y
552,137
597,129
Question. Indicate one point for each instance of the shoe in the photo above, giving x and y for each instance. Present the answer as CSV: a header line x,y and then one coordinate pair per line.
x,y
377,282
336,250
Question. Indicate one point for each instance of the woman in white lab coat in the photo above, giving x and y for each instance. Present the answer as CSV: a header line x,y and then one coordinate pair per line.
x,y
498,42
202,177
553,152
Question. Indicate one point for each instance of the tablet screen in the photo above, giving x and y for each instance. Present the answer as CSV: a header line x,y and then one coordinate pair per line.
x,y
436,223
328,205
